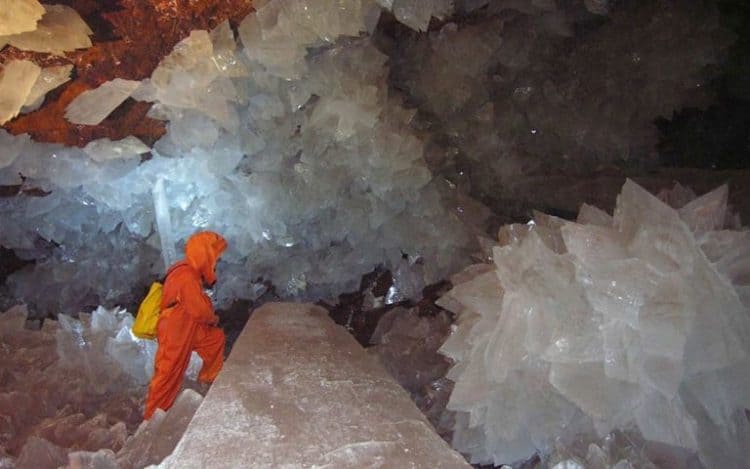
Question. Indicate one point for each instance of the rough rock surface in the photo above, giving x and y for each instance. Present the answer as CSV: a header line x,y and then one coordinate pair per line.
x,y
406,344
549,88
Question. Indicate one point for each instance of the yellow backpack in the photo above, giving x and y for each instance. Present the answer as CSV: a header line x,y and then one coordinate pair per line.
x,y
144,326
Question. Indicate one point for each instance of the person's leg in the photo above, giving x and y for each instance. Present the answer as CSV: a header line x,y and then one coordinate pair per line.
x,y
209,341
175,335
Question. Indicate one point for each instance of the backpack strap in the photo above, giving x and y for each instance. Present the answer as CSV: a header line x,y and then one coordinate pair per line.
x,y
175,266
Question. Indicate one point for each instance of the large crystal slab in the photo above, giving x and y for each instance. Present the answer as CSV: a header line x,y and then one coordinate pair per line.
x,y
297,390
599,7
93,106
61,29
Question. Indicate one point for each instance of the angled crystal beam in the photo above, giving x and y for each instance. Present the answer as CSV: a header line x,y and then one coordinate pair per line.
x,y
93,106
17,79
60,30
49,79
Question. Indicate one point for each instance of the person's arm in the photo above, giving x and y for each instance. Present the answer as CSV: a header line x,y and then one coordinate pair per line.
x,y
197,304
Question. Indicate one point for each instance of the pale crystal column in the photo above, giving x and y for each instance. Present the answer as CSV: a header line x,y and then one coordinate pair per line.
x,y
164,224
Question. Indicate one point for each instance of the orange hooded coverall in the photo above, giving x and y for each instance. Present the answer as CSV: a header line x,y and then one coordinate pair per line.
x,y
187,322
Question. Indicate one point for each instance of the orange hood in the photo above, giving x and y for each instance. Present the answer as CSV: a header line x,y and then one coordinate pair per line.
x,y
202,250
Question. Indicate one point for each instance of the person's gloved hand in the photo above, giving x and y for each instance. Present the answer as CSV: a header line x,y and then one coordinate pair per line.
x,y
210,293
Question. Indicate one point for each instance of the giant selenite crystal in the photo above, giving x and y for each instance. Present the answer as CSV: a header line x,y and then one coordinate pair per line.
x,y
638,322
290,145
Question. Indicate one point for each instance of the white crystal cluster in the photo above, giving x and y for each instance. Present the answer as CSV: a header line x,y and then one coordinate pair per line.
x,y
528,86
288,144
77,385
637,322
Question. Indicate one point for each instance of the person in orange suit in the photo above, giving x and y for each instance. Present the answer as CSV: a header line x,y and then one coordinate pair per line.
x,y
187,322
